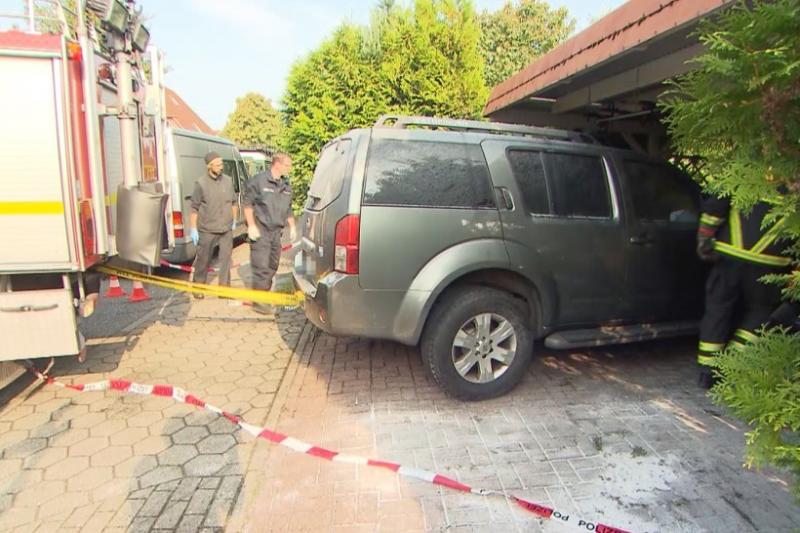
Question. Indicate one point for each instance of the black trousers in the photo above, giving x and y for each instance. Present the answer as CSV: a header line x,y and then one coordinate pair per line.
x,y
265,257
737,304
205,251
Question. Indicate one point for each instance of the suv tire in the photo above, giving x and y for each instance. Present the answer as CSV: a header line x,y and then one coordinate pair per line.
x,y
477,342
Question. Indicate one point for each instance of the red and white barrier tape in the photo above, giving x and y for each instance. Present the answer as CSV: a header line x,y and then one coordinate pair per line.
x,y
179,395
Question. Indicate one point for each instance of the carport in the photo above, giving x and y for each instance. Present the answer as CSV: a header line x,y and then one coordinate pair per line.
x,y
607,79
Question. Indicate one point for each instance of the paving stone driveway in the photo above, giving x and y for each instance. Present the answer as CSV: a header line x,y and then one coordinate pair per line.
x,y
618,435
621,436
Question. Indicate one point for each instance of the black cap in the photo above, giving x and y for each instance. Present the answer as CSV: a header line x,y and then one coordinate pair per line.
x,y
210,156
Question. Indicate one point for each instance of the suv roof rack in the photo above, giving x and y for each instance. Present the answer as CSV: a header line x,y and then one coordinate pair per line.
x,y
403,122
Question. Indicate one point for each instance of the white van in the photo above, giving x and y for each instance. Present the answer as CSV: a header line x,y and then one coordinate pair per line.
x,y
185,152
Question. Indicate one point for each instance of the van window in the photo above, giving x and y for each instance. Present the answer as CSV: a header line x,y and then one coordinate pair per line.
x,y
229,168
427,174
661,193
579,185
528,169
326,185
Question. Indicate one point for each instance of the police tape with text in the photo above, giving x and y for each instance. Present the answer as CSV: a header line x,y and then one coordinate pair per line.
x,y
296,445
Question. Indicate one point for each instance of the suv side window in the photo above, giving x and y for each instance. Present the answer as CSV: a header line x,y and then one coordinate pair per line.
x,y
661,193
528,169
579,185
427,174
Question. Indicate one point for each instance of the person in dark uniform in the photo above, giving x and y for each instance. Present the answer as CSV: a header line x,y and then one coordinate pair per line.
x,y
267,209
213,219
737,303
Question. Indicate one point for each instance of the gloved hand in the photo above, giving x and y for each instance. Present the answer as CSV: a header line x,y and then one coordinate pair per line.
x,y
252,233
705,248
233,226
195,236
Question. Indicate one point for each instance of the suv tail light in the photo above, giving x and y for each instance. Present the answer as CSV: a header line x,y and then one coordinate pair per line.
x,y
177,224
346,245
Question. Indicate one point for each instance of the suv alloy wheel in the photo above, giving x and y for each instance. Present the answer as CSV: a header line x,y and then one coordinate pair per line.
x,y
477,342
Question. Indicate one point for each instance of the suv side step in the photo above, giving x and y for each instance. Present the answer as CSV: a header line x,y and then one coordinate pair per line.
x,y
579,338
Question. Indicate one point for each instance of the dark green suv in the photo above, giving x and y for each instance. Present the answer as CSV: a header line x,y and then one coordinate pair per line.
x,y
476,239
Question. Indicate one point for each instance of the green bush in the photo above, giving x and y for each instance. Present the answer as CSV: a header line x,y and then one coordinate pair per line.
x,y
761,385
738,111
422,57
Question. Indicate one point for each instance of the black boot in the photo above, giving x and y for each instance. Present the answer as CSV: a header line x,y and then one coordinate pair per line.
x,y
706,379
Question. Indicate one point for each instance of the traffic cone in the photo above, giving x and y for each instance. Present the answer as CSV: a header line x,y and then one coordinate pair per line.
x,y
138,294
114,288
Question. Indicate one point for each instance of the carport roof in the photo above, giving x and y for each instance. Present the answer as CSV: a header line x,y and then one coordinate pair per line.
x,y
636,33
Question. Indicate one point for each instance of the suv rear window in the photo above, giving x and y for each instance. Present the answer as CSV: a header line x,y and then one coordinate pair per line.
x,y
661,193
326,185
528,170
427,174
579,186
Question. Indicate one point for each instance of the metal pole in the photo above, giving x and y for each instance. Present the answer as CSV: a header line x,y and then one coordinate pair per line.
x,y
127,120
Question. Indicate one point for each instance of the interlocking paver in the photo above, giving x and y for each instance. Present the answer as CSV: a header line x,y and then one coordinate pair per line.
x,y
205,465
190,435
63,506
89,479
42,492
17,516
16,413
108,428
88,446
136,466
161,474
67,468
615,433
43,458
112,490
111,456
24,448
171,515
216,444
177,455
89,420
186,489
190,523
151,445
154,504
200,502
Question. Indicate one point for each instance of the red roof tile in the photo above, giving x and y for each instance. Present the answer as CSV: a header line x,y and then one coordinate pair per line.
x,y
621,30
180,115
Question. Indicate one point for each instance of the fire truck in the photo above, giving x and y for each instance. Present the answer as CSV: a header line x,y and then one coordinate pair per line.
x,y
83,180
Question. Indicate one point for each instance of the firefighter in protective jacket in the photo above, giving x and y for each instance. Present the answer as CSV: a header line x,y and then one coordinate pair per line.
x,y
737,303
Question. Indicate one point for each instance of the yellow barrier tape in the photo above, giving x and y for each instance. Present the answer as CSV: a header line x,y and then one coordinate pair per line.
x,y
234,293
31,208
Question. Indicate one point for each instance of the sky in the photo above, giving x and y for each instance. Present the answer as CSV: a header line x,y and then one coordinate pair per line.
x,y
217,50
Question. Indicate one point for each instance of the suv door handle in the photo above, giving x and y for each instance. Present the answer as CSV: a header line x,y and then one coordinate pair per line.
x,y
642,239
505,195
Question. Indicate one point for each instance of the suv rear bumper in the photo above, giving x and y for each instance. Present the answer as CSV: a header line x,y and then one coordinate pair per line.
x,y
339,306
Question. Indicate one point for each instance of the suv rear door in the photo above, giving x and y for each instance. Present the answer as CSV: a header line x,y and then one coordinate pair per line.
x,y
325,205
665,278
563,226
